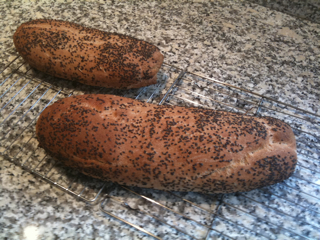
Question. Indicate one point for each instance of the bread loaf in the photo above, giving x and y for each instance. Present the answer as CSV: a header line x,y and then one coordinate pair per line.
x,y
167,147
71,51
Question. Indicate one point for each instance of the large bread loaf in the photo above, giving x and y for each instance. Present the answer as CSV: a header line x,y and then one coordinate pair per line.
x,y
164,147
71,51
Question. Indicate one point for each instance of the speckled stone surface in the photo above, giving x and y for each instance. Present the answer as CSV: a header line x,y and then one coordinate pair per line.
x,y
239,43
33,209
308,9
247,45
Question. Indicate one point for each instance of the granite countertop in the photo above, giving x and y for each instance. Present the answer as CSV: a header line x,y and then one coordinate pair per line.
x,y
250,46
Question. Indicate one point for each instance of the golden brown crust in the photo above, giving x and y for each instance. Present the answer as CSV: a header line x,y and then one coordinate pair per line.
x,y
71,51
168,148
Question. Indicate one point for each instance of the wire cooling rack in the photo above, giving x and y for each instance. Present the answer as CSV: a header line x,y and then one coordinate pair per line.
x,y
288,210
24,95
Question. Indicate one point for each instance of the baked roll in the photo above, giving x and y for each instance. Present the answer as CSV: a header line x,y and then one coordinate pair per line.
x,y
164,147
90,56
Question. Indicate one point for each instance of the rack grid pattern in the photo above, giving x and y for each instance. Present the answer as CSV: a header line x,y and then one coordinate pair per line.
x,y
288,210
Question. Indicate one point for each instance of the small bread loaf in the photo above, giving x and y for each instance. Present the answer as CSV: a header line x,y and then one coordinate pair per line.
x,y
167,147
71,51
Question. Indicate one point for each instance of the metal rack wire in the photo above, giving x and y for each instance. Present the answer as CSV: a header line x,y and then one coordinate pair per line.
x,y
24,95
288,210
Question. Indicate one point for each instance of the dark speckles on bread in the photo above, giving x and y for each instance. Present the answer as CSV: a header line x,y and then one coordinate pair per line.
x,y
165,147
71,51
